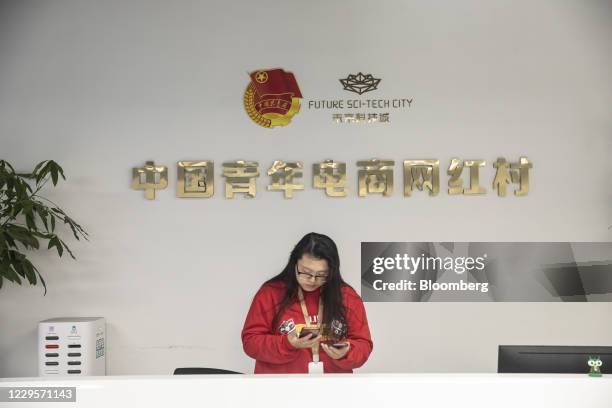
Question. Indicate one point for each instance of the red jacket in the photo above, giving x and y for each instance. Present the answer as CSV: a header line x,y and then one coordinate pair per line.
x,y
273,352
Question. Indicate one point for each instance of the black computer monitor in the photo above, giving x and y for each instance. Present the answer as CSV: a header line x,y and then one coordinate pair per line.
x,y
551,359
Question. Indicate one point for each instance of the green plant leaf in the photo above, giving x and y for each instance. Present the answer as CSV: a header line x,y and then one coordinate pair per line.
x,y
42,280
6,269
43,170
51,242
11,274
61,172
38,166
18,267
22,235
55,242
44,235
42,214
67,249
9,240
4,164
30,220
29,271
16,210
54,176
4,263
58,169
21,190
19,198
55,170
10,186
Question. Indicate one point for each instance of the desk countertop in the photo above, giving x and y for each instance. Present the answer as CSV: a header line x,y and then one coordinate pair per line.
x,y
333,390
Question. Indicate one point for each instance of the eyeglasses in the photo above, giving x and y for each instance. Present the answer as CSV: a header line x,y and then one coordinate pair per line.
x,y
306,275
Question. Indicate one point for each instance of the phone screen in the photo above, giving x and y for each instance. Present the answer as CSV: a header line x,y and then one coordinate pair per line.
x,y
339,345
305,332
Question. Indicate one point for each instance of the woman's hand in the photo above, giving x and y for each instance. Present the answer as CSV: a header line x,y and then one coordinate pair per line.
x,y
334,352
305,342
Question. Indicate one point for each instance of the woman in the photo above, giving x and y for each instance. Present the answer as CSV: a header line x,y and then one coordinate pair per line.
x,y
308,296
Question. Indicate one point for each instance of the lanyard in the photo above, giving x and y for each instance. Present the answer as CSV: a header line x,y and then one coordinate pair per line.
x,y
315,348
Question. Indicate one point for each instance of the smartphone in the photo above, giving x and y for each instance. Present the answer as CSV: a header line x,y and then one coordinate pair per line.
x,y
339,345
306,331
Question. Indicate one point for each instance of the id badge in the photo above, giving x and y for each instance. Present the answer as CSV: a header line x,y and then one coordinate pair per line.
x,y
315,368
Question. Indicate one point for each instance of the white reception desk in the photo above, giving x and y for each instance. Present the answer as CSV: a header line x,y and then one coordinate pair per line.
x,y
330,391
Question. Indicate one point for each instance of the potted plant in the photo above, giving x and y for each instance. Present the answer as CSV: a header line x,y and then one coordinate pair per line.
x,y
27,220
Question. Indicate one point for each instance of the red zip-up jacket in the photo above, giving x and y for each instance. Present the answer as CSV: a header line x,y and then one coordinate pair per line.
x,y
271,348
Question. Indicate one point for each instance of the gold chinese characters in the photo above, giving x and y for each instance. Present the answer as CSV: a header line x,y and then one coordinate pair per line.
x,y
196,179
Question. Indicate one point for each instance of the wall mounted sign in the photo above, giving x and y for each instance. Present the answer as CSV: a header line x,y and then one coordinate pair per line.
x,y
195,179
366,109
272,98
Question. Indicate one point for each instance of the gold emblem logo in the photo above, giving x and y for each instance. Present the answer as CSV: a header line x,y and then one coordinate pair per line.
x,y
272,98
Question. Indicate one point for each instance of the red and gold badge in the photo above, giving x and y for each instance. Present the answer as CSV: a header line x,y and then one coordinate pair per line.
x,y
272,97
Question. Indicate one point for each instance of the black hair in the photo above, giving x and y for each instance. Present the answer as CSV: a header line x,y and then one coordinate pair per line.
x,y
321,247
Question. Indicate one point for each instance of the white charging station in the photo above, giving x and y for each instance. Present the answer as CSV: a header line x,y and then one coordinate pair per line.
x,y
72,346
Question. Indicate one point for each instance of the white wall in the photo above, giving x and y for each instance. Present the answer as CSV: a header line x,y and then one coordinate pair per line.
x,y
101,87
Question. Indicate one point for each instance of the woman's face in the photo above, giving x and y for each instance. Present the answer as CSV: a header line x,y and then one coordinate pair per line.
x,y
311,272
